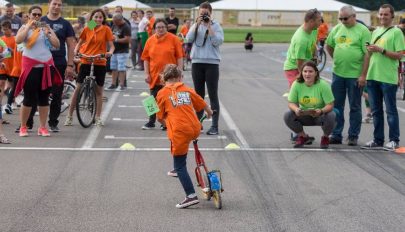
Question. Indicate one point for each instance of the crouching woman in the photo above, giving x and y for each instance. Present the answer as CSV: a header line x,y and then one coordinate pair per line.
x,y
311,104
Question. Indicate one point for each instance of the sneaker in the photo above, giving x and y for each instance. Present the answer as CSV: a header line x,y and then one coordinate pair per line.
x,y
300,141
172,173
4,140
371,145
367,119
212,131
8,109
334,140
23,131
54,129
391,146
188,202
98,122
120,89
110,88
352,141
148,126
309,139
325,142
17,130
163,128
69,121
42,131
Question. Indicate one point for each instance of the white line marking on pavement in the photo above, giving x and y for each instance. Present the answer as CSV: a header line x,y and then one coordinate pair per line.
x,y
91,138
96,149
126,106
130,119
232,125
161,138
129,95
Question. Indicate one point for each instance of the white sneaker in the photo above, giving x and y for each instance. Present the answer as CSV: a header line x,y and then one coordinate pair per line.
x,y
98,122
69,121
391,146
120,89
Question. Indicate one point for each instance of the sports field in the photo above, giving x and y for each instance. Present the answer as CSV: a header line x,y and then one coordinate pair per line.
x,y
260,35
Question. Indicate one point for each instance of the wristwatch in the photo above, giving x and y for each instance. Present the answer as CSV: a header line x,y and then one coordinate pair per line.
x,y
383,51
70,65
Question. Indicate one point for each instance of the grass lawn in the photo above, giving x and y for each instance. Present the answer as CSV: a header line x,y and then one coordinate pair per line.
x,y
260,35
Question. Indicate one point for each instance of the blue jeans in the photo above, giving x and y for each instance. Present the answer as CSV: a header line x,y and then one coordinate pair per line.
x,y
379,93
340,87
180,165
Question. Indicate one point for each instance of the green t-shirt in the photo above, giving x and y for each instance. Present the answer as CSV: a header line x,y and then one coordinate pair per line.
x,y
381,67
349,46
302,47
311,97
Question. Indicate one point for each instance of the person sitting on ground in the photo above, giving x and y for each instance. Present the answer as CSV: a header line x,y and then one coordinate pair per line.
x,y
178,104
249,41
310,103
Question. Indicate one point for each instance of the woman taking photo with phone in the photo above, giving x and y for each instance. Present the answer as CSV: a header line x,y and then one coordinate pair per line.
x,y
38,72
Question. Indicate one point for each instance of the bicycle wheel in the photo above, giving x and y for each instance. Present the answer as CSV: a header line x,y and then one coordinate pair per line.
x,y
86,105
216,196
68,89
321,60
202,180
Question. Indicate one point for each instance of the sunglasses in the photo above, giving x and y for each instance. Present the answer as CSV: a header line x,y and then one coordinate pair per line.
x,y
36,14
345,18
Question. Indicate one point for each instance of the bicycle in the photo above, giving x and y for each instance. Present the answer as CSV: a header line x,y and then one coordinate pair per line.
x,y
86,103
210,182
321,58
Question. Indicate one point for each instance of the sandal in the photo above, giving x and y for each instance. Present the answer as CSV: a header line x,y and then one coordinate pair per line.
x,y
4,140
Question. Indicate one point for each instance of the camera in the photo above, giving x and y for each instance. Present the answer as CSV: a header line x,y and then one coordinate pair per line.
x,y
205,17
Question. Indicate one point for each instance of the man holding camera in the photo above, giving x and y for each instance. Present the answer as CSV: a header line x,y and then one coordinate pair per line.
x,y
206,36
346,44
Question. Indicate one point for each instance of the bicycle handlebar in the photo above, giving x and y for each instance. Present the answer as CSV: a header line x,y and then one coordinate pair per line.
x,y
93,57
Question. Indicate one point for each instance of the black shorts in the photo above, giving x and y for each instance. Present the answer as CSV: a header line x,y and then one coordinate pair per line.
x,y
4,77
99,73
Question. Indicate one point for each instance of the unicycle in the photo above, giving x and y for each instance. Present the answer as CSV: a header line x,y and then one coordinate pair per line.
x,y
210,182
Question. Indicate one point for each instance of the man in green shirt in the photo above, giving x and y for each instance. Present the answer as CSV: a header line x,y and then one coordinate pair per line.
x,y
384,52
303,45
346,44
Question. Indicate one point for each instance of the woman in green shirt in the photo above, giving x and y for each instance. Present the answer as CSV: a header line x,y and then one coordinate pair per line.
x,y
311,104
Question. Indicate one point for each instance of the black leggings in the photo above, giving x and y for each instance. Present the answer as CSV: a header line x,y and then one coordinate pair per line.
x,y
207,74
33,94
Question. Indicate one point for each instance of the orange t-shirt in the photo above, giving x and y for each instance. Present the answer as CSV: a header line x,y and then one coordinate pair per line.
x,y
96,42
150,26
184,30
8,62
159,52
323,30
17,62
178,105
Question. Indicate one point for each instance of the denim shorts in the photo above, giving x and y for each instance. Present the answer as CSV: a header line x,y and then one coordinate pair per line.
x,y
118,61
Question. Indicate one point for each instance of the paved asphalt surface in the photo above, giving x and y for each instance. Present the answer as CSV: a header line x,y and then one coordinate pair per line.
x,y
80,180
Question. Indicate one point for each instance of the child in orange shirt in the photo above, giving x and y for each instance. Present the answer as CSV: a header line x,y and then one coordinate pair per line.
x,y
178,105
7,65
